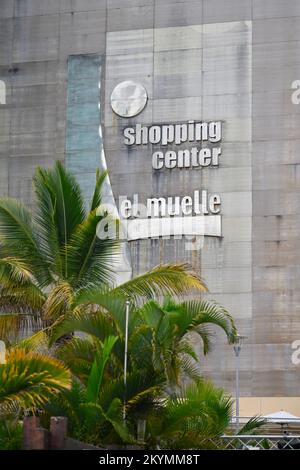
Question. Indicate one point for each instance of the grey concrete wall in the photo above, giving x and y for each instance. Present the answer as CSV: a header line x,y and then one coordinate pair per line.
x,y
244,77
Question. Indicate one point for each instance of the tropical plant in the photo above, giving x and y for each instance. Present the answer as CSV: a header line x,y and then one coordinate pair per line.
x,y
159,350
159,335
52,254
170,327
89,418
29,379
56,274
11,434
252,425
194,417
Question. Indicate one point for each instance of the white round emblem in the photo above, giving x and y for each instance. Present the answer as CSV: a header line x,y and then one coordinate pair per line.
x,y
128,99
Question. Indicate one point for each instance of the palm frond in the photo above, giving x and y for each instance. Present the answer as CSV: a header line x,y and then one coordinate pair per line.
x,y
19,239
115,418
58,301
203,312
14,271
21,299
31,378
106,300
12,325
78,354
60,211
168,279
94,324
252,425
200,408
89,257
37,342
189,368
140,383
97,196
98,366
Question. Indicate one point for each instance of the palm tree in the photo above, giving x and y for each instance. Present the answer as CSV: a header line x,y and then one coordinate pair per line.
x,y
52,254
89,418
195,417
170,328
160,352
56,272
158,334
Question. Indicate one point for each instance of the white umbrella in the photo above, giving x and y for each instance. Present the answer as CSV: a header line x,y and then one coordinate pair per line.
x,y
282,417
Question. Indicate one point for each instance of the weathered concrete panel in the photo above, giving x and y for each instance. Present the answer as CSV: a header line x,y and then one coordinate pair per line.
x,y
226,34
276,227
168,110
276,30
33,144
215,11
81,44
7,9
280,55
4,172
89,22
33,28
6,40
177,38
44,49
272,202
20,182
186,13
218,256
35,7
277,253
29,120
283,127
279,102
275,8
278,177
177,85
282,152
82,5
140,17
130,42
128,3
178,61
275,278
32,73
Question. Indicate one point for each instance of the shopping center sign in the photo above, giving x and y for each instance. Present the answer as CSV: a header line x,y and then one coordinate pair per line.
x,y
175,147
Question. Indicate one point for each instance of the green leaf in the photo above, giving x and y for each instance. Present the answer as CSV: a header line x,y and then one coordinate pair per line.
x,y
31,378
38,342
114,416
60,211
19,240
97,196
89,257
171,279
99,326
252,425
201,313
96,374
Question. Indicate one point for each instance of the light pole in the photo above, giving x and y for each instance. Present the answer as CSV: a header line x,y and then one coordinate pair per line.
x,y
237,346
125,356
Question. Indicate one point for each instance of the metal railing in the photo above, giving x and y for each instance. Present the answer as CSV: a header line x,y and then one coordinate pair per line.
x,y
260,442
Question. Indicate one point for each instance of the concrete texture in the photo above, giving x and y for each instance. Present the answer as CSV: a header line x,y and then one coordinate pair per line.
x,y
208,59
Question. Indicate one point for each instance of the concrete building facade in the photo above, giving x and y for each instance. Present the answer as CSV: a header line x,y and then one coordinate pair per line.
x,y
230,61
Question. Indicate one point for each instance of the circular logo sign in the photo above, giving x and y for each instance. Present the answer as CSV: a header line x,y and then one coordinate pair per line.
x,y
128,99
